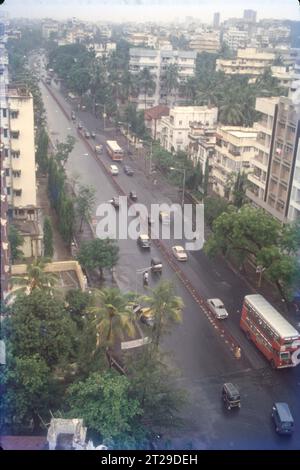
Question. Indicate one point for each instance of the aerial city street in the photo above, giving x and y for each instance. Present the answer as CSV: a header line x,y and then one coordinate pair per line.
x,y
135,337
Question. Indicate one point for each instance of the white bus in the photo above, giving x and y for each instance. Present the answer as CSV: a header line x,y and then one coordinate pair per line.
x,y
114,150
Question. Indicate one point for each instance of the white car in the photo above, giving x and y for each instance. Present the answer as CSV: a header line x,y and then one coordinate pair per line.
x,y
114,170
179,253
217,307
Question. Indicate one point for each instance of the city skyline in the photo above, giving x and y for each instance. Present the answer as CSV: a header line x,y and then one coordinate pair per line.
x,y
149,10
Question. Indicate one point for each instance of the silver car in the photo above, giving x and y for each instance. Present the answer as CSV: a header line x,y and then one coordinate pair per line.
x,y
217,307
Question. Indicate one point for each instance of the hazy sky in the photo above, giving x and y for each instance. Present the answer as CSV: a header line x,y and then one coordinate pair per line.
x,y
143,10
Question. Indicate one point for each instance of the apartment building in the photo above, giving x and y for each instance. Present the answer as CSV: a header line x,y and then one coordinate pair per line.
x,y
236,38
234,152
275,178
250,15
201,147
216,20
176,128
4,246
249,61
206,42
17,132
157,61
50,28
153,117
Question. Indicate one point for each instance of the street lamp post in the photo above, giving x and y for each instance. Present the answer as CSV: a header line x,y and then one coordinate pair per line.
x,y
181,170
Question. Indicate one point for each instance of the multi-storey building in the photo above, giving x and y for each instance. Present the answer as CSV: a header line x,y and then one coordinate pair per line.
x,y
201,147
157,61
250,15
236,38
4,153
17,135
206,42
216,20
249,61
275,177
176,127
234,152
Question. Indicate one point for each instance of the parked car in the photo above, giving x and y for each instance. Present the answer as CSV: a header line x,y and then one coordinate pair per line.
x,y
99,149
144,241
93,135
79,126
156,265
73,116
217,307
179,253
114,170
283,419
133,196
231,396
150,220
87,135
128,170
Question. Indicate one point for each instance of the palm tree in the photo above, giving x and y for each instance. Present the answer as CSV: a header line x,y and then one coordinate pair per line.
x,y
171,79
36,278
147,83
208,92
267,85
113,316
166,307
230,110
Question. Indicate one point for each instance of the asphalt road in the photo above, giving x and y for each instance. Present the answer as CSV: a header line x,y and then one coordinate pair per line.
x,y
196,347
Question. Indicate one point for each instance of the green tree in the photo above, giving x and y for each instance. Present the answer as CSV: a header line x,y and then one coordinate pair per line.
x,y
36,278
107,407
42,150
77,302
98,254
16,240
213,207
84,204
146,83
155,385
251,232
166,308
171,79
40,325
239,189
48,238
113,317
63,150
26,381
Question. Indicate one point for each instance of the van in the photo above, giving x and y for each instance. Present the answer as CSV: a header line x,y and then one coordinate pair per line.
x,y
114,170
282,417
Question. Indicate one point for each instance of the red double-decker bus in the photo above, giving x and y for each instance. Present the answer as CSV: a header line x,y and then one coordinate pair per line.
x,y
273,335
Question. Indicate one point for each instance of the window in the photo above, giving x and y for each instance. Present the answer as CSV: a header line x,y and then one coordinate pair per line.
x,y
16,173
15,153
4,112
14,114
5,132
8,190
180,123
6,152
17,192
6,171
15,134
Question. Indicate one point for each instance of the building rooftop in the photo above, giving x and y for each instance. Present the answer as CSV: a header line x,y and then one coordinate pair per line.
x,y
156,112
23,443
